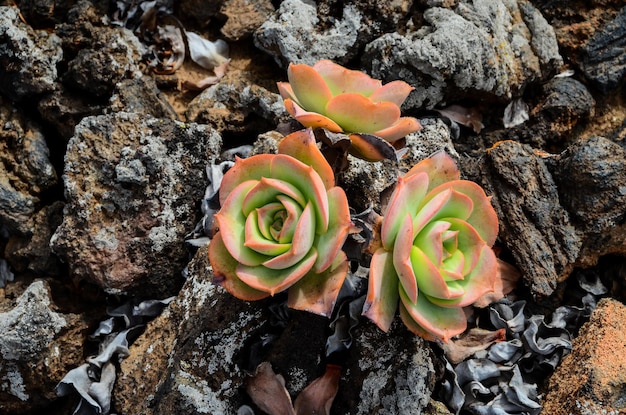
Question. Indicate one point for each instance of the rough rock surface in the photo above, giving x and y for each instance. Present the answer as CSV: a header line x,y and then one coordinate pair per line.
x,y
25,168
591,176
303,31
237,107
480,49
206,331
532,220
38,345
28,58
243,17
592,379
132,184
295,35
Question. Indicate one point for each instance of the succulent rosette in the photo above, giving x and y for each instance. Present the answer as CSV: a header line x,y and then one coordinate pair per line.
x,y
341,100
281,226
435,253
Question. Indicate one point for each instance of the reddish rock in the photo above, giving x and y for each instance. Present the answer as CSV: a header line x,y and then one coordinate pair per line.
x,y
592,379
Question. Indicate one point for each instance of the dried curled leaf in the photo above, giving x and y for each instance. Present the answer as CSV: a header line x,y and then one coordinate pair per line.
x,y
515,113
267,390
469,117
318,396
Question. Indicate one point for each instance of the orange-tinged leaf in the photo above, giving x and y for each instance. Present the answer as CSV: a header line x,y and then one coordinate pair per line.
x,y
406,196
396,92
251,168
442,323
381,301
272,280
301,243
309,87
285,91
317,293
356,113
371,148
310,118
339,225
440,168
402,248
224,275
302,145
399,129
342,80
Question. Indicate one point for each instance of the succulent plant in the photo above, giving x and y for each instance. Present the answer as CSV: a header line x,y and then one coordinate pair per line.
x,y
341,100
435,251
281,226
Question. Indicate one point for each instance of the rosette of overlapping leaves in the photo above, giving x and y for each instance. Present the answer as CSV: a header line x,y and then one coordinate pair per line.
x,y
435,253
327,95
281,226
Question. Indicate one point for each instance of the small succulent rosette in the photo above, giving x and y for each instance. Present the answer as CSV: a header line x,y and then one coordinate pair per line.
x,y
341,100
281,226
435,251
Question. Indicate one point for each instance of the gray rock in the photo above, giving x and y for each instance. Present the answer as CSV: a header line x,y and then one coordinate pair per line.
x,y
295,34
113,56
29,327
481,49
604,55
237,106
132,184
141,95
193,361
28,58
36,346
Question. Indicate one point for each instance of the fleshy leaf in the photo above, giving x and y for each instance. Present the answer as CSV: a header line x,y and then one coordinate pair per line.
x,y
309,87
356,113
440,168
231,222
310,118
341,80
407,194
442,323
301,244
266,190
272,280
255,240
402,258
330,242
302,145
442,203
483,217
429,278
401,128
224,275
381,302
371,148
308,182
478,282
396,92
285,91
317,293
251,168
